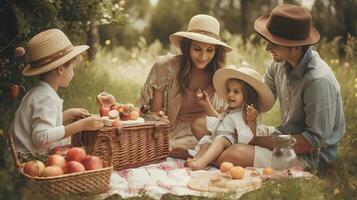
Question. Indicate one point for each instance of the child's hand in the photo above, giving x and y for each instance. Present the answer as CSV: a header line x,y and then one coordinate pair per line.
x,y
105,99
252,113
92,123
74,114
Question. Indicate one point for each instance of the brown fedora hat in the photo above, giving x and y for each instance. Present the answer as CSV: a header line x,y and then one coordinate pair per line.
x,y
287,25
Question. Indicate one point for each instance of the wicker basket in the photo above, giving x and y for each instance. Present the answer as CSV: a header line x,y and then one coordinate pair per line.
x,y
132,145
87,182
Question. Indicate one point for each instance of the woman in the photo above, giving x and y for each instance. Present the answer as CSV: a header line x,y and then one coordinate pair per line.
x,y
174,79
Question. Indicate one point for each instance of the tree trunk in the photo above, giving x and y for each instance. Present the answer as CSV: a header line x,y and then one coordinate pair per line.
x,y
92,39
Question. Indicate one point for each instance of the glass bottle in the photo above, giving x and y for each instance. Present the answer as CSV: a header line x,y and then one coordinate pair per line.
x,y
284,156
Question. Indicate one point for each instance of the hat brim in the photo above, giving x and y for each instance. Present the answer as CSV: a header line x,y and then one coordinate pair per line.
x,y
176,39
33,71
261,28
266,98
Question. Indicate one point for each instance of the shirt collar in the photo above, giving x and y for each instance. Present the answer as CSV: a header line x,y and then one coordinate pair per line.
x,y
51,90
299,71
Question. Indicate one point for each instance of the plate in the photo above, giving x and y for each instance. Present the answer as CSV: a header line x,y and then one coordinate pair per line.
x,y
137,121
109,122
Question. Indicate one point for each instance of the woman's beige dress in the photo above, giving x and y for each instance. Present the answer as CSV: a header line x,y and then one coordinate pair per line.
x,y
163,77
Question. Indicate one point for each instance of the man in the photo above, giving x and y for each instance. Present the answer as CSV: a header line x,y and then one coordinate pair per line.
x,y
307,90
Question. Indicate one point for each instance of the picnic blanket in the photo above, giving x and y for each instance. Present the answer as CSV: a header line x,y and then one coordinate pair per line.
x,y
156,180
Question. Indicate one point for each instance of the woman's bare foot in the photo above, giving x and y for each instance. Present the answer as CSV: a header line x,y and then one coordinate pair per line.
x,y
179,152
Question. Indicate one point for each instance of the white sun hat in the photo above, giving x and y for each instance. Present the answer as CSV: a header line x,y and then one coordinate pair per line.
x,y
248,75
202,28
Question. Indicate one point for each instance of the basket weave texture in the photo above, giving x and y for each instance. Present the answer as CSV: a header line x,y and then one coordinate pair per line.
x,y
132,145
87,182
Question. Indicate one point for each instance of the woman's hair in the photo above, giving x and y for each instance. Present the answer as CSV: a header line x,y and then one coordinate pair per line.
x,y
250,97
186,64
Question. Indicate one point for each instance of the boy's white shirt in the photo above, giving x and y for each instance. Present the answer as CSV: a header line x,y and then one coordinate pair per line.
x,y
38,123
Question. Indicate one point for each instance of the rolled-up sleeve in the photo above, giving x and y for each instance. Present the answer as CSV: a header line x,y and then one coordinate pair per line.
x,y
320,100
157,79
44,127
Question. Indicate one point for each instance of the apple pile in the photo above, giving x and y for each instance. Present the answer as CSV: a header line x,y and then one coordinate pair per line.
x,y
119,112
74,160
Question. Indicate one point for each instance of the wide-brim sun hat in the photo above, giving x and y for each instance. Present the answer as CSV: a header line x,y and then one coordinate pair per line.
x,y
248,75
202,28
49,50
287,25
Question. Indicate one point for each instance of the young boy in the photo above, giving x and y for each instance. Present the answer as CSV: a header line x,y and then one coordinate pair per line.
x,y
38,123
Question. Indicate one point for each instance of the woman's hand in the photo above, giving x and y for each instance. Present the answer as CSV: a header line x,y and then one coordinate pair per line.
x,y
105,99
74,114
203,98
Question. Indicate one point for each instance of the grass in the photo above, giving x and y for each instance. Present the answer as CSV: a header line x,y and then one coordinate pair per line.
x,y
122,72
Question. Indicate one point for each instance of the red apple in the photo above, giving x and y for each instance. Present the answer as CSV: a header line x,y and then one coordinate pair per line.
x,y
92,162
103,111
53,170
74,166
76,154
61,150
14,91
124,116
34,168
57,160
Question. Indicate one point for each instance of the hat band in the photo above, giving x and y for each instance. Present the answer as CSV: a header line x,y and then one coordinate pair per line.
x,y
52,57
210,34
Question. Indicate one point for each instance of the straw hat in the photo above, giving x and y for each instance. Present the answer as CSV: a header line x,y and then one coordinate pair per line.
x,y
248,75
287,25
202,28
49,50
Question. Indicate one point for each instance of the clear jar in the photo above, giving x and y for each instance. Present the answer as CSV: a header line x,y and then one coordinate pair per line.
x,y
284,156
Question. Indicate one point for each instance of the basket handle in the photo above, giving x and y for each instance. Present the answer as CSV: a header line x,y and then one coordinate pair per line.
x,y
13,150
107,153
156,130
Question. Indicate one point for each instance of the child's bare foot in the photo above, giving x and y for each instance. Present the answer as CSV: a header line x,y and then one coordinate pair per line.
x,y
196,165
188,161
